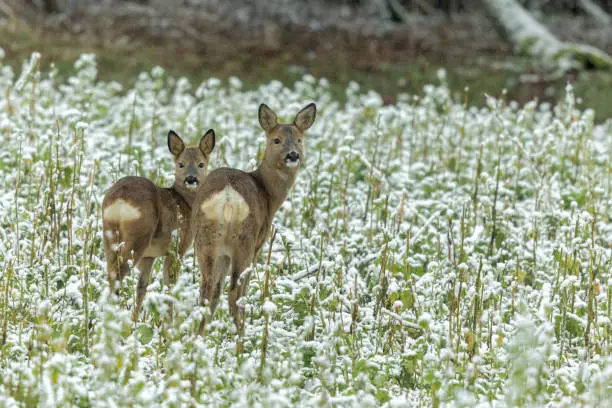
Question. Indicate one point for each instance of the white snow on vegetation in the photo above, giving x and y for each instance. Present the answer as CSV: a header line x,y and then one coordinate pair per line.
x,y
430,254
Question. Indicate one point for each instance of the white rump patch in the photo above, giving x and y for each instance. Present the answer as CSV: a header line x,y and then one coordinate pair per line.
x,y
120,210
226,206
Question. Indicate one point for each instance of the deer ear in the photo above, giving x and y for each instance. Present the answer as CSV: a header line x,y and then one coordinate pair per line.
x,y
207,142
267,117
175,143
306,117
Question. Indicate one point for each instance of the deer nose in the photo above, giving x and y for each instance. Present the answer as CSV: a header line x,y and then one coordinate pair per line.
x,y
191,180
293,156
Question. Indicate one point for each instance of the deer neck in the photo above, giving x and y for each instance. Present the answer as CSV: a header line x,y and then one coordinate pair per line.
x,y
184,198
277,183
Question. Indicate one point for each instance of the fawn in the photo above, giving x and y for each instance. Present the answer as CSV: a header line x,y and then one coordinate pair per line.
x,y
139,217
233,211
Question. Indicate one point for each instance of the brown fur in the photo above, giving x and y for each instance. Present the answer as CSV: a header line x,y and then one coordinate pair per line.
x,y
227,236
138,217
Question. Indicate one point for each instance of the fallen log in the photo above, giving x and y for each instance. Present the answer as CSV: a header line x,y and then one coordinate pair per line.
x,y
533,39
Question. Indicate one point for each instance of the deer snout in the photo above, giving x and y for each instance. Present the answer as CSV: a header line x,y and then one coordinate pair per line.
x,y
292,159
293,156
191,182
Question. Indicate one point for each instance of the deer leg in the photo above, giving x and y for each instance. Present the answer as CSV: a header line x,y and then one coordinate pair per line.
x,y
185,240
111,263
207,260
238,288
130,253
144,266
117,263
125,256
223,264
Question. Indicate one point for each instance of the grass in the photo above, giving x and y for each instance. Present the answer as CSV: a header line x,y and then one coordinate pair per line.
x,y
431,253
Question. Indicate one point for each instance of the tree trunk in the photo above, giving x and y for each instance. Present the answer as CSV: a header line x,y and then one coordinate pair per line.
x,y
533,39
595,12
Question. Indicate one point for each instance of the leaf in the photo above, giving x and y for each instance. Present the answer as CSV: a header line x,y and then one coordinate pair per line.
x,y
145,334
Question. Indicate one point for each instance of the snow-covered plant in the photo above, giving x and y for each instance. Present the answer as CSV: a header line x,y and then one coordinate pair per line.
x,y
431,253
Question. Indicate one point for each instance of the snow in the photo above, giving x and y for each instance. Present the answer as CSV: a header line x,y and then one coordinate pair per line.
x,y
482,321
269,307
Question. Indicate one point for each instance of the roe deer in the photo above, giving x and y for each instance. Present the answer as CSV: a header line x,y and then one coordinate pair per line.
x,y
138,217
233,211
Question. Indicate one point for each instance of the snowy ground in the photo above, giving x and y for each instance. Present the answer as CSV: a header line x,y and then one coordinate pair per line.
x,y
431,253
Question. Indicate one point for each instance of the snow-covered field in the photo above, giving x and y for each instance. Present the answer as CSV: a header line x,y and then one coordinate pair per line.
x,y
430,254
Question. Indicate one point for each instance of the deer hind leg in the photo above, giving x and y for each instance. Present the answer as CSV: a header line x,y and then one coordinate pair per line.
x,y
130,253
144,266
238,288
112,269
207,260
222,266
118,259
213,286
120,255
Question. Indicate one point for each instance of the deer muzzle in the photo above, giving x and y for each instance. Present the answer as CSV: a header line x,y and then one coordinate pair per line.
x,y
191,182
292,159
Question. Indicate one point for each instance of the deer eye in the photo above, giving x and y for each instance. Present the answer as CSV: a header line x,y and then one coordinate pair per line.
x,y
299,140
181,165
201,165
277,141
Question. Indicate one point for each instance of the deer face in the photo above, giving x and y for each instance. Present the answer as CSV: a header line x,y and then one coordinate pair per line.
x,y
191,163
284,142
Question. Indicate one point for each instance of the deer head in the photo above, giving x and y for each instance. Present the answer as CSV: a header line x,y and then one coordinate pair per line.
x,y
191,163
284,149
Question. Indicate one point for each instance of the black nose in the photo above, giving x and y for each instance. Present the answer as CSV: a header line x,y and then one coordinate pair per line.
x,y
293,156
191,180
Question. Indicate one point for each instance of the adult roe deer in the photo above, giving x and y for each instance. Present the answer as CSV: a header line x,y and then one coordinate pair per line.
x,y
233,211
138,217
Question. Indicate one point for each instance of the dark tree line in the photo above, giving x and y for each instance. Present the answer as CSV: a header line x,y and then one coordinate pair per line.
x,y
522,23
445,6
458,6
